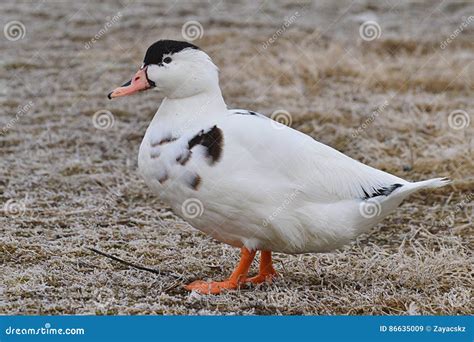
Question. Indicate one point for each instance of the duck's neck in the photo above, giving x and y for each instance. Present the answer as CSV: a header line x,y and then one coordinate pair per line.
x,y
191,111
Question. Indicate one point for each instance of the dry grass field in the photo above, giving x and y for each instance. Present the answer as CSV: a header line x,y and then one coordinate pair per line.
x,y
399,99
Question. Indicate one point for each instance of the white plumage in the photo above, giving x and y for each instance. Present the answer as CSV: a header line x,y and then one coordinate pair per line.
x,y
261,185
273,188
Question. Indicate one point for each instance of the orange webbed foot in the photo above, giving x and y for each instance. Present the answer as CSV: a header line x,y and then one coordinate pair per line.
x,y
266,272
262,278
212,287
216,287
266,275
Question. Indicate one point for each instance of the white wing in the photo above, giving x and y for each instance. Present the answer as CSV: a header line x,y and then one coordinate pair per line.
x,y
323,172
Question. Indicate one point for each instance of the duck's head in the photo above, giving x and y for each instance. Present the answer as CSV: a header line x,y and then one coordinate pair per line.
x,y
178,69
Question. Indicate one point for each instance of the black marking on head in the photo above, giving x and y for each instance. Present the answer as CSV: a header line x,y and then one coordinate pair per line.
x,y
213,140
150,82
155,53
383,191
195,182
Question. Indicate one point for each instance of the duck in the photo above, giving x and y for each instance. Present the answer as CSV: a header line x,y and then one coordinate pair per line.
x,y
245,179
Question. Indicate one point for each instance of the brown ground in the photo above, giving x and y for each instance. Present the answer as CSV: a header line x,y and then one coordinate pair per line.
x,y
66,185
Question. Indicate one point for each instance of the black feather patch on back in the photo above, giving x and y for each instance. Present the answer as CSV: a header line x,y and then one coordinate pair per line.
x,y
245,112
384,191
155,53
213,140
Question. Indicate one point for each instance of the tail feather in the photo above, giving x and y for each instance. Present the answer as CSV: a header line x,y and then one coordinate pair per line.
x,y
384,205
432,183
410,188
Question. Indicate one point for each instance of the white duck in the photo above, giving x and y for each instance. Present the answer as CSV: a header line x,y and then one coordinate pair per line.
x,y
246,180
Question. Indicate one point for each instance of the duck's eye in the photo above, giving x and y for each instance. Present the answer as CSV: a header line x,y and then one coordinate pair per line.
x,y
167,60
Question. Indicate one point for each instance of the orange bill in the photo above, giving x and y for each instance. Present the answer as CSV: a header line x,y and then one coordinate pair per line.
x,y
139,82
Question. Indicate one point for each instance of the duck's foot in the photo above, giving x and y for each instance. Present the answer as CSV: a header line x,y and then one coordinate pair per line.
x,y
262,278
237,277
212,287
266,272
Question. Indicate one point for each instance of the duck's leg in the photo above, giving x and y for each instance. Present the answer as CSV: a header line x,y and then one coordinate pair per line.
x,y
266,271
238,276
